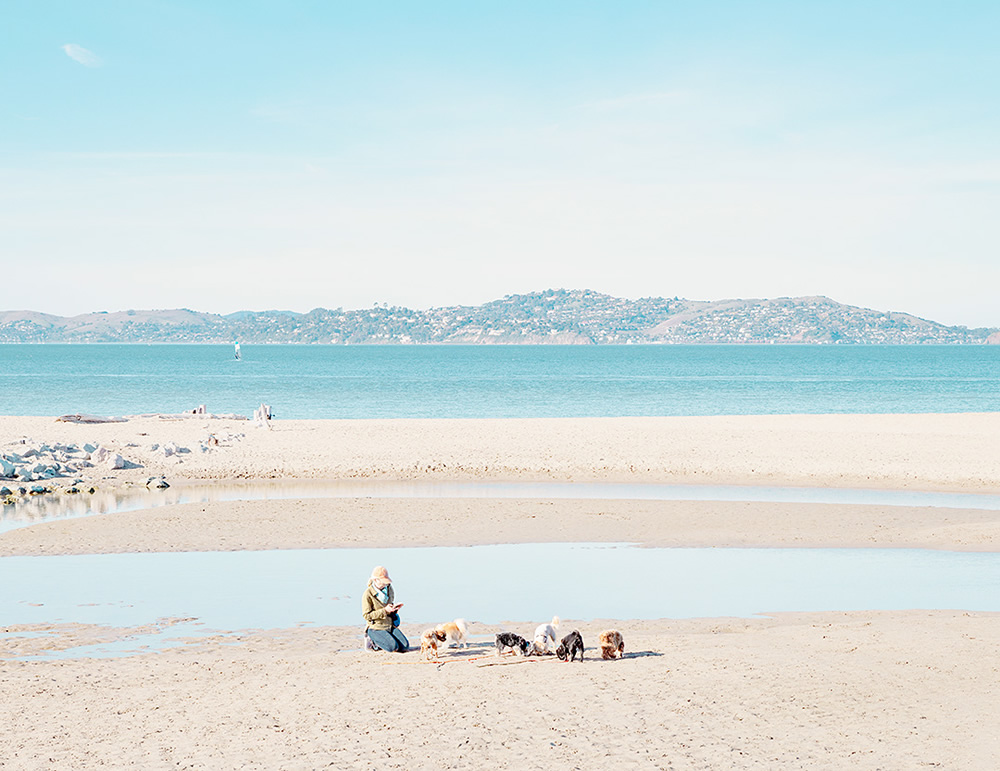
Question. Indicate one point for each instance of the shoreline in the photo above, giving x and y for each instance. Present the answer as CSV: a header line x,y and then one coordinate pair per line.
x,y
951,452
954,452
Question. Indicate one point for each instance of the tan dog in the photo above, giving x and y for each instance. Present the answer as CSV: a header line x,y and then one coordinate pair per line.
x,y
429,642
612,644
453,633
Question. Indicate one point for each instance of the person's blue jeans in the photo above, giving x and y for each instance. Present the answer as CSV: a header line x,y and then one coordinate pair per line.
x,y
393,641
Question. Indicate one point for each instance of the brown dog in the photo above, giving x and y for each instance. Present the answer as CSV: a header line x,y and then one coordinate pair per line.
x,y
612,644
429,642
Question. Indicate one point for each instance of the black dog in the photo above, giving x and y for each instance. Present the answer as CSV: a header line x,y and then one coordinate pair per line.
x,y
570,645
513,641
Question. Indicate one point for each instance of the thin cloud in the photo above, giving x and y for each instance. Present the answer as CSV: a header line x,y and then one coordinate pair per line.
x,y
82,55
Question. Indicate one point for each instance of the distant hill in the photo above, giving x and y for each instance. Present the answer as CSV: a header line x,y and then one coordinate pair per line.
x,y
554,316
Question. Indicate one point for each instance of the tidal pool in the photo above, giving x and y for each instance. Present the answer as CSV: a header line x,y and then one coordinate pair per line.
x,y
490,584
59,506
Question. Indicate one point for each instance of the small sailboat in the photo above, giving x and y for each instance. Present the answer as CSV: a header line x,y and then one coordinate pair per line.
x,y
237,347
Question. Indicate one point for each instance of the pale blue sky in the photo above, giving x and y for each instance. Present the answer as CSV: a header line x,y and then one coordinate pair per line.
x,y
229,155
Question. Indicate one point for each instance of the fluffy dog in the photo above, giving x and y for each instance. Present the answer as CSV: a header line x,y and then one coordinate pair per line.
x,y
429,642
513,641
545,636
612,644
454,633
571,645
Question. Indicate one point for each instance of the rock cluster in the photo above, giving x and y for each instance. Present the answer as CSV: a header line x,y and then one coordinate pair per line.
x,y
168,449
219,440
30,468
28,463
173,450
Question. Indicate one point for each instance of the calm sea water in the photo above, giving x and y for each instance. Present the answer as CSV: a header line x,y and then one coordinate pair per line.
x,y
306,381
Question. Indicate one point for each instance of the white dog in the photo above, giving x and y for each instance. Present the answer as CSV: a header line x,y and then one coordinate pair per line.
x,y
545,637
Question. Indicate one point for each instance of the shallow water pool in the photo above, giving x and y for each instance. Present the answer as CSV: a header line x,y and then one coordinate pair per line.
x,y
490,584
46,507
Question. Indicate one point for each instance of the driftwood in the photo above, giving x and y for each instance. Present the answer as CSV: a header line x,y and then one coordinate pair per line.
x,y
188,415
88,419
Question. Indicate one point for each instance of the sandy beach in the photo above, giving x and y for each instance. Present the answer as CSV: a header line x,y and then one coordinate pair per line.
x,y
870,690
925,452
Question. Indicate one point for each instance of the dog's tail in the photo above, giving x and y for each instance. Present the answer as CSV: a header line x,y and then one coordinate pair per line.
x,y
460,623
555,622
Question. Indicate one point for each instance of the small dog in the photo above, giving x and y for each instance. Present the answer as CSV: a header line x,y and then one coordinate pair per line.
x,y
571,645
429,642
513,641
612,644
545,636
454,633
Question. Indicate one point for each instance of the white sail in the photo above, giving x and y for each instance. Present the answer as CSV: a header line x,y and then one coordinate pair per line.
x,y
237,347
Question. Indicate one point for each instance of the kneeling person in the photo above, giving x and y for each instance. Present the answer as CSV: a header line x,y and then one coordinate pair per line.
x,y
381,613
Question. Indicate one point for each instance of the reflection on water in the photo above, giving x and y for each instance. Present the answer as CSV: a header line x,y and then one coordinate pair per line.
x,y
489,584
45,507
39,508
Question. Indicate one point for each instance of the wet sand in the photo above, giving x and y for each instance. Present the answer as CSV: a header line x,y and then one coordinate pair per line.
x,y
393,522
902,690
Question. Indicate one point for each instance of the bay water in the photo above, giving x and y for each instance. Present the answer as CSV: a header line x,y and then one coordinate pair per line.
x,y
319,381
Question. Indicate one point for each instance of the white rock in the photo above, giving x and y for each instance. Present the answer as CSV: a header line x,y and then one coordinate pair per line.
x,y
114,461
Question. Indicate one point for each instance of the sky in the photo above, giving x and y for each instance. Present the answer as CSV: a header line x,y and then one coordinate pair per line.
x,y
259,155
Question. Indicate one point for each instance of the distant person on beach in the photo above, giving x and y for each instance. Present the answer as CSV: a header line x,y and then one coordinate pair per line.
x,y
382,614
